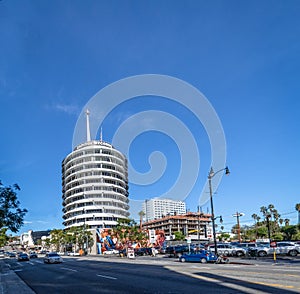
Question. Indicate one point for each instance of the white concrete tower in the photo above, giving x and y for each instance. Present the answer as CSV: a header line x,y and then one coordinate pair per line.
x,y
94,185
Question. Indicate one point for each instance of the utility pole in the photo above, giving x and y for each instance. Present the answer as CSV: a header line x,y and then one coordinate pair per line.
x,y
238,215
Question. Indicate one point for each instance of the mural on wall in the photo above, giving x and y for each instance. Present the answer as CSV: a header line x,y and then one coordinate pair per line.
x,y
107,240
104,240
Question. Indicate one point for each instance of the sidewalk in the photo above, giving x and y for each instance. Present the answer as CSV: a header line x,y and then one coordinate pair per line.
x,y
280,260
10,283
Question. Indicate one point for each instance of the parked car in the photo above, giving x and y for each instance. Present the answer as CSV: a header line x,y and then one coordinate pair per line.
x,y
23,257
178,250
52,257
228,250
289,248
10,254
111,252
142,251
202,256
33,255
259,250
284,247
246,245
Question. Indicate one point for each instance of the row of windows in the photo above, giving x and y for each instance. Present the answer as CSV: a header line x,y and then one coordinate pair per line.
x,y
77,154
90,211
83,220
94,166
94,181
78,220
118,197
82,206
95,173
93,159
120,190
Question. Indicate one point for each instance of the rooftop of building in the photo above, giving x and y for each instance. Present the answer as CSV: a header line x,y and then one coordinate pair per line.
x,y
189,215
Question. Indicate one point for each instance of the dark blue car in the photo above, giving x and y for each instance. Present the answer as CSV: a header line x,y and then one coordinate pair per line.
x,y
202,256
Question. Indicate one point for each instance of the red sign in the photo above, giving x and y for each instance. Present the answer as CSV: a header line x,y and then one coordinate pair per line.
x,y
273,244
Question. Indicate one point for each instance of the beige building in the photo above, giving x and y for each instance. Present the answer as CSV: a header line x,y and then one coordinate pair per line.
x,y
195,225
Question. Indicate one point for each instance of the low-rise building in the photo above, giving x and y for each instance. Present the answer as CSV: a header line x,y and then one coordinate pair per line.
x,y
195,225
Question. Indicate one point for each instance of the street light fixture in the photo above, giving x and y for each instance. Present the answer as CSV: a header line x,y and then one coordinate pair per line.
x,y
210,176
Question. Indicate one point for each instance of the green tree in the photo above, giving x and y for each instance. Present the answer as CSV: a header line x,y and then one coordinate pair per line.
x,y
3,237
262,232
289,231
127,230
278,236
297,207
271,220
179,236
11,215
57,238
224,237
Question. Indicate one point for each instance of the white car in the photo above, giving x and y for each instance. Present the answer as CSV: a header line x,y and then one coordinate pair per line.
x,y
112,251
228,249
283,247
52,257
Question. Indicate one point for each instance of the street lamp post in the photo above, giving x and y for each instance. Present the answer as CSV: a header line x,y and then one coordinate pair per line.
x,y
210,176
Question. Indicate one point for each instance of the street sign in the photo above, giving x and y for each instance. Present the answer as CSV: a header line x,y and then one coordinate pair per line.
x,y
273,244
130,253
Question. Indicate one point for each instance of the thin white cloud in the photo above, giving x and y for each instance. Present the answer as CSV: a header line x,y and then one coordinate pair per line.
x,y
42,222
69,109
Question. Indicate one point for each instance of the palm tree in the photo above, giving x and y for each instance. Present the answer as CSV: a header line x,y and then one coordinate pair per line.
x,y
297,207
263,210
255,217
141,214
57,238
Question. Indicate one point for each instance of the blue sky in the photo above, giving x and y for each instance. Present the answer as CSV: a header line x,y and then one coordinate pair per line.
x,y
243,56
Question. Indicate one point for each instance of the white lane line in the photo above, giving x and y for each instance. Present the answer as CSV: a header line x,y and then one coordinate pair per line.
x,y
107,277
68,269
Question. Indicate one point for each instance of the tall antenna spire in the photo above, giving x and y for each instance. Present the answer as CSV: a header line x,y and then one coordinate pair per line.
x,y
101,135
88,133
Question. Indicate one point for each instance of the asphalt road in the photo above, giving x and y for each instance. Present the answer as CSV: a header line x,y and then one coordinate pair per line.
x,y
156,275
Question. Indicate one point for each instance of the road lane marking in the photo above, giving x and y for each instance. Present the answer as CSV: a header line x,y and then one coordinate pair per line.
x,y
69,269
107,277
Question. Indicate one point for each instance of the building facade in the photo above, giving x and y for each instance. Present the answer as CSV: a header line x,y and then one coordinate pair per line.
x,y
94,185
31,239
195,225
157,208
